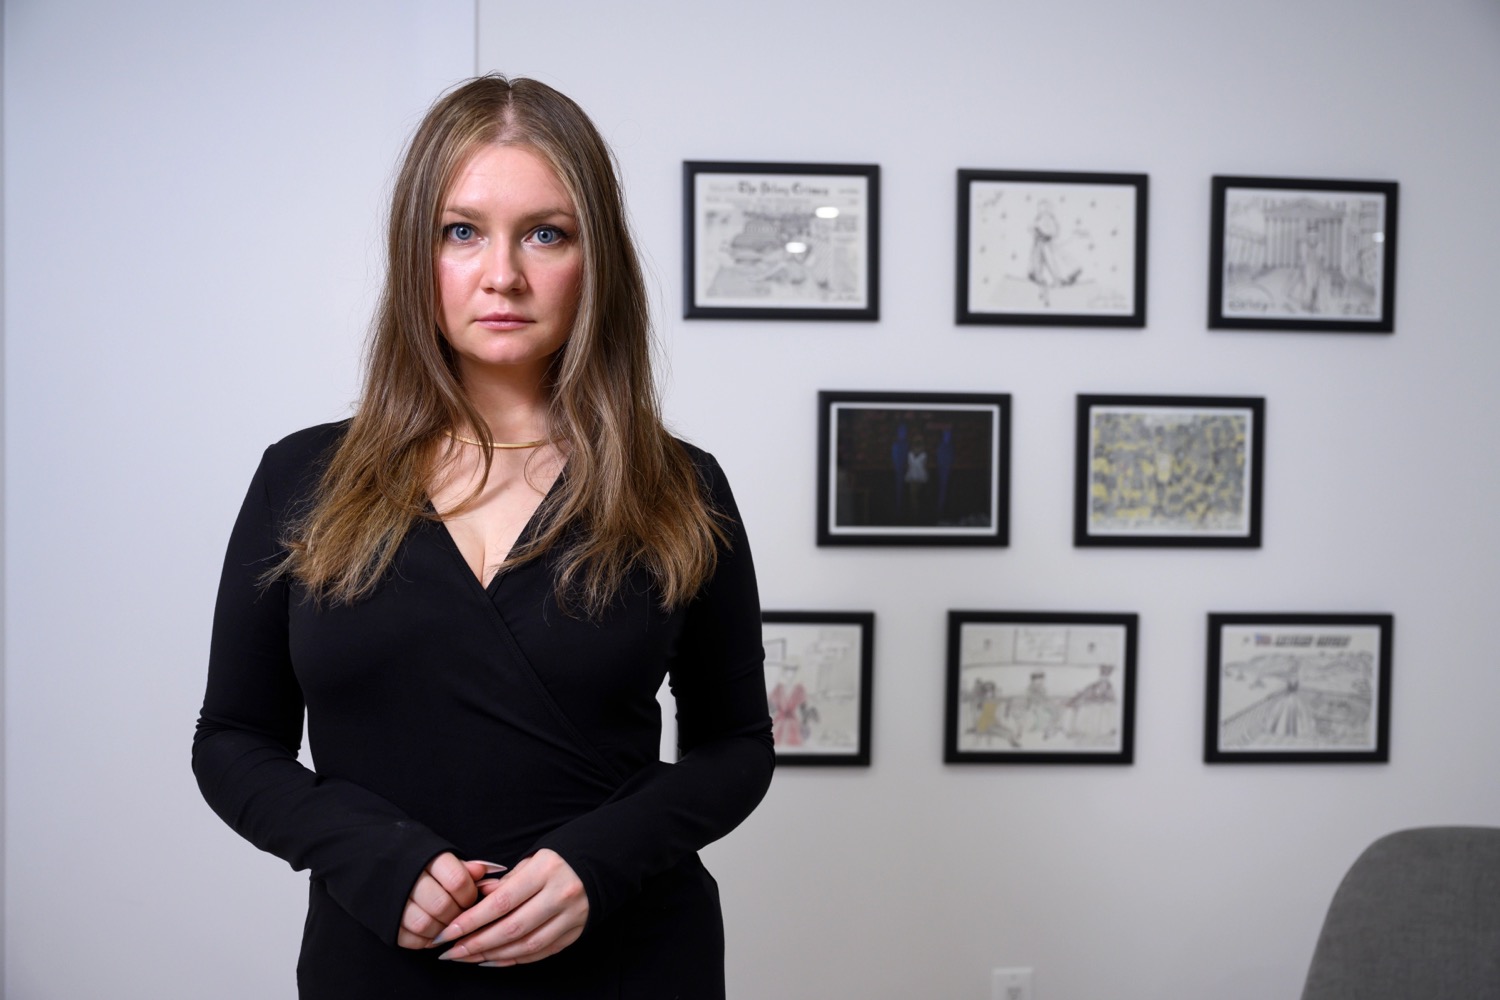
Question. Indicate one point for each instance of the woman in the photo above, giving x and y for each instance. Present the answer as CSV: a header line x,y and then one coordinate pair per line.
x,y
475,587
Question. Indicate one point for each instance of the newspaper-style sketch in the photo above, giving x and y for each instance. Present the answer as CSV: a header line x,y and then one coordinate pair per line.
x,y
1041,687
1315,255
813,686
768,240
1063,248
1298,687
1169,471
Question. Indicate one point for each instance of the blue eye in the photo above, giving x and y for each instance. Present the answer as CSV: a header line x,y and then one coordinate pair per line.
x,y
548,235
462,232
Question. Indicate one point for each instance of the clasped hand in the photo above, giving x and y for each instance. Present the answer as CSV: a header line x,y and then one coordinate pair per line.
x,y
535,910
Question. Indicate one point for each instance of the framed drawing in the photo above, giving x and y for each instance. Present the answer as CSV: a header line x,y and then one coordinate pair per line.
x,y
818,677
781,240
1051,249
1298,688
1169,471
1029,687
1291,254
913,468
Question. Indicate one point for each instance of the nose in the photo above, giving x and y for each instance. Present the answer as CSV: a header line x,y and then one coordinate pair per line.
x,y
503,272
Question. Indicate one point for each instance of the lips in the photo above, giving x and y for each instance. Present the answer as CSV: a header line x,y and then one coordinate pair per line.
x,y
502,321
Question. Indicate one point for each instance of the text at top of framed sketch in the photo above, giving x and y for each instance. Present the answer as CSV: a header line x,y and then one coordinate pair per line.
x,y
1173,471
794,241
1298,688
1302,254
1044,248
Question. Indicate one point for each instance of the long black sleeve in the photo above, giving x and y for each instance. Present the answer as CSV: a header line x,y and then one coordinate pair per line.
x,y
366,851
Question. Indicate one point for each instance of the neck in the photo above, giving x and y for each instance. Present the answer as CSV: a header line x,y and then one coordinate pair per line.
x,y
512,401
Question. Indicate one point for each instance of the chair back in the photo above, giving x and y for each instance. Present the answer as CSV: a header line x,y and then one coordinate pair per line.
x,y
1417,917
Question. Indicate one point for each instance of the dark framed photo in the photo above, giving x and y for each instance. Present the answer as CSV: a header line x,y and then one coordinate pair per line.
x,y
781,240
913,468
1298,688
1298,254
819,670
1038,248
1031,687
1169,471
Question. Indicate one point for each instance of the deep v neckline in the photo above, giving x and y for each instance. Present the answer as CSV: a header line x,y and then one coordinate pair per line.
x,y
490,585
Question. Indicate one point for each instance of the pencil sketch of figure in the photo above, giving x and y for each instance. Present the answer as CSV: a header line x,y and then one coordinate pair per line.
x,y
813,686
1039,687
1308,254
1095,709
1166,470
1050,266
1045,247
1287,690
985,698
1310,280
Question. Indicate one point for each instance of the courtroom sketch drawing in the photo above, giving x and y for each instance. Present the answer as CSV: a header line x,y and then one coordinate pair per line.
x,y
1040,687
814,686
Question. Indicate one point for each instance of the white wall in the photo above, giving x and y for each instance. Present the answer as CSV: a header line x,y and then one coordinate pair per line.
x,y
191,247
191,211
1169,879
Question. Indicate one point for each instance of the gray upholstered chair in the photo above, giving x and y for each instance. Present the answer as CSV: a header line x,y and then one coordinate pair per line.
x,y
1416,918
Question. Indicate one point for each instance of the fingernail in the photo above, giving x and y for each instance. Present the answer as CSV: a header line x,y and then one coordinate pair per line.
x,y
495,965
453,953
447,934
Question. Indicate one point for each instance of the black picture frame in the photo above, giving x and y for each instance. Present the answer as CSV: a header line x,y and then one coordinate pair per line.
x,y
1303,254
783,241
828,725
1298,688
1051,248
1040,687
1169,471
873,491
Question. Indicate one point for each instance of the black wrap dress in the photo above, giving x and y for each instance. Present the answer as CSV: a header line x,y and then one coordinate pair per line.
x,y
443,715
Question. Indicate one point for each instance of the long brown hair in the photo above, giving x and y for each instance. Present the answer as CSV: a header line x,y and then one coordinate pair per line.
x,y
630,495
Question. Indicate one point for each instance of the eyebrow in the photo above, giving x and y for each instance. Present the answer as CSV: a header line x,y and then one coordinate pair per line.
x,y
476,215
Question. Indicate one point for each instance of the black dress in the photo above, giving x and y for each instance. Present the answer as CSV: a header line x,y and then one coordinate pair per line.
x,y
448,716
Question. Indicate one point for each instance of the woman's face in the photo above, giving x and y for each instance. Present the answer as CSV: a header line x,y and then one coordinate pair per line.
x,y
509,264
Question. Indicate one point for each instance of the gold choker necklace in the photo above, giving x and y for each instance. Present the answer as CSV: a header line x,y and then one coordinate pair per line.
x,y
497,444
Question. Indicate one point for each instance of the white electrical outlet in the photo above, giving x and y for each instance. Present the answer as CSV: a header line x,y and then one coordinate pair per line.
x,y
1011,984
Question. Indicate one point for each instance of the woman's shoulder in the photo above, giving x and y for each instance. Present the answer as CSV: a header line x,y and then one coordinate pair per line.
x,y
710,473
708,467
292,466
